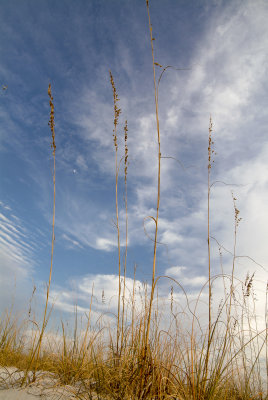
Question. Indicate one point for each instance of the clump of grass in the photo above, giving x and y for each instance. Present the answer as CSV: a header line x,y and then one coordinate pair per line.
x,y
11,345
88,362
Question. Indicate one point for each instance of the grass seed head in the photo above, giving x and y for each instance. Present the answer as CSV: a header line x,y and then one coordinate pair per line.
x,y
237,218
126,150
51,119
117,110
210,144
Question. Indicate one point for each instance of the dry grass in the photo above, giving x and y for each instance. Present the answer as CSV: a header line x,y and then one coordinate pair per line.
x,y
137,359
179,364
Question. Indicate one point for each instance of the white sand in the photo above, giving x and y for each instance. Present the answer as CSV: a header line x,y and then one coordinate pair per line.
x,y
46,387
14,394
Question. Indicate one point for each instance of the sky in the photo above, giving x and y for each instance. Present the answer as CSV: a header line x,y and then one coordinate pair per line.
x,y
219,53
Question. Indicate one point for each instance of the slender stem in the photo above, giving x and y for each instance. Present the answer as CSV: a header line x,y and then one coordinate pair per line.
x,y
119,258
117,112
36,352
53,218
158,187
209,264
210,151
133,306
125,258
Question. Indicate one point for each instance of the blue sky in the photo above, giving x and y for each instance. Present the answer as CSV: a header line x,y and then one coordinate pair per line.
x,y
223,47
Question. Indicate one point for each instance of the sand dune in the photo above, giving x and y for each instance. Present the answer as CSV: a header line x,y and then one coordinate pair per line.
x,y
46,387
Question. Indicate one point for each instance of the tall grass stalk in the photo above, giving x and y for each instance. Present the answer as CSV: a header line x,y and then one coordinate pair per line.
x,y
36,351
53,146
126,244
117,112
210,161
147,332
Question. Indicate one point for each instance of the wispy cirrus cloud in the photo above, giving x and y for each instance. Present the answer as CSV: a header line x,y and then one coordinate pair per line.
x,y
14,244
17,257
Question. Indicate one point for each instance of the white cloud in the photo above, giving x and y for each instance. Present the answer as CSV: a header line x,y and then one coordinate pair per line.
x,y
180,274
105,244
74,243
81,162
171,238
175,271
104,288
17,260
13,245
